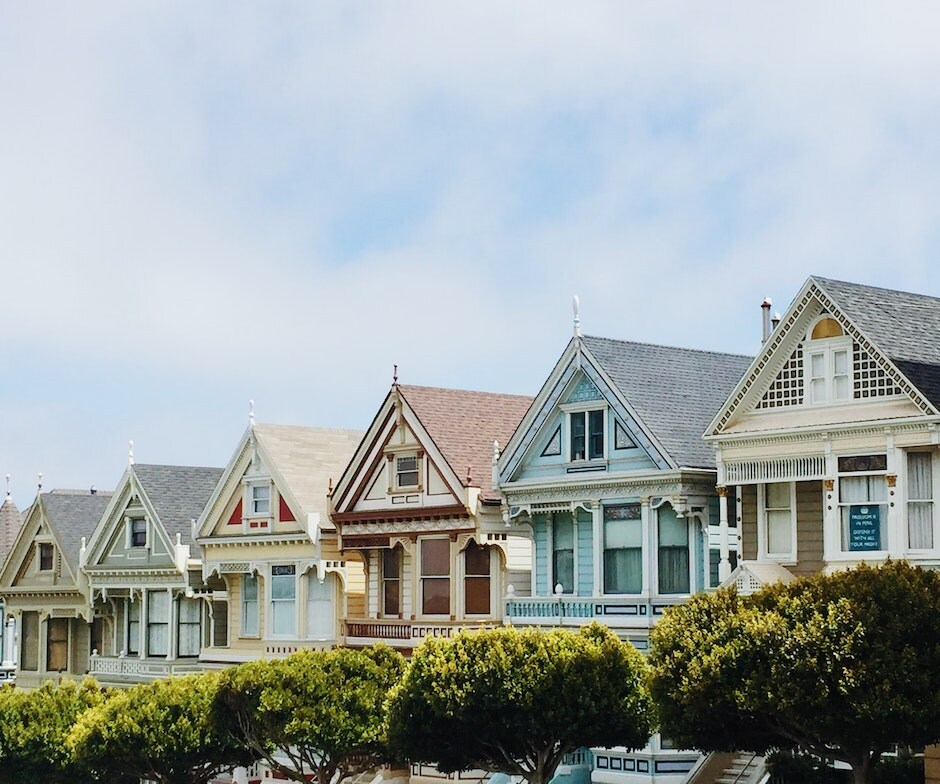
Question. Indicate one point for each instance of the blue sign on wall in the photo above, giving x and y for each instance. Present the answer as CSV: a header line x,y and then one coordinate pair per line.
x,y
865,527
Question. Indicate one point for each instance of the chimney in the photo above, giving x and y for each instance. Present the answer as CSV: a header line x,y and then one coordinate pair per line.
x,y
765,306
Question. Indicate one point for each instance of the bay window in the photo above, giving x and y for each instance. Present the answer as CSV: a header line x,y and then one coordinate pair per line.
x,y
862,502
674,575
283,601
623,549
476,579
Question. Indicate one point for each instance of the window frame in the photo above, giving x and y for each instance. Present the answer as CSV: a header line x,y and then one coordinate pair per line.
x,y
133,533
286,601
253,501
329,580
386,580
553,550
424,577
828,348
182,601
132,620
584,412
688,549
883,504
469,577
245,607
43,549
763,527
932,455
63,643
154,624
638,519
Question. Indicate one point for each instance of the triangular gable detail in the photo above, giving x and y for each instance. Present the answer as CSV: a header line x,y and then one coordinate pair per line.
x,y
585,391
284,513
769,373
236,517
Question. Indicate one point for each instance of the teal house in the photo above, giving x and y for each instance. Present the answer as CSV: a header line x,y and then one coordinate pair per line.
x,y
609,471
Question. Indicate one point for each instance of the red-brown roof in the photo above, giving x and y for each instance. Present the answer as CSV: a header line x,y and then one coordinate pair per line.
x,y
464,426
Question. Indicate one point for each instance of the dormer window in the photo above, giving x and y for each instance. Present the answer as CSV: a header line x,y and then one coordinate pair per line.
x,y
587,434
260,499
406,471
827,363
46,557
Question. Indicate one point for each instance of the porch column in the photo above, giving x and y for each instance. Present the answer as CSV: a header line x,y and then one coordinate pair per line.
x,y
598,540
142,630
172,631
648,553
724,562
9,629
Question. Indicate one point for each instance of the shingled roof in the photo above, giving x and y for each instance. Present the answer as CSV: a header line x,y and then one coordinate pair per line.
x,y
904,326
674,391
464,425
73,514
178,494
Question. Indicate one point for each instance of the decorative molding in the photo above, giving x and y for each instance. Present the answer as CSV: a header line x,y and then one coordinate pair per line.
x,y
408,527
558,499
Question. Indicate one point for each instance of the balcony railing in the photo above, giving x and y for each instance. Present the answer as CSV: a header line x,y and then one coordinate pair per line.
x,y
639,612
405,634
135,669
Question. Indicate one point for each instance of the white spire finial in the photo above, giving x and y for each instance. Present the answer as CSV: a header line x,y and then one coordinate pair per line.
x,y
39,483
576,304
8,486
251,413
130,453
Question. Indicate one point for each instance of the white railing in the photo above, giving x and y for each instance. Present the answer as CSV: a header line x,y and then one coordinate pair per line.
x,y
575,610
134,668
406,633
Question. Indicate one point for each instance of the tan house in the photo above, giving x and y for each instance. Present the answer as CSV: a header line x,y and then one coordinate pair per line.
x,y
270,554
418,508
45,590
145,575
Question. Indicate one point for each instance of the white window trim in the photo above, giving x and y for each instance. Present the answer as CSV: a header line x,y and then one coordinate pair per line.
x,y
256,634
644,561
250,499
330,579
550,538
392,456
129,535
827,347
654,567
583,407
269,604
462,579
763,534
421,577
399,578
862,555
902,482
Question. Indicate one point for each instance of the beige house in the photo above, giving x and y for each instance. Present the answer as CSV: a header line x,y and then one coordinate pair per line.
x,y
269,550
418,509
45,591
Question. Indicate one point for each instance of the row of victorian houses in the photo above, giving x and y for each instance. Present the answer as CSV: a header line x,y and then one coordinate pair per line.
x,y
637,476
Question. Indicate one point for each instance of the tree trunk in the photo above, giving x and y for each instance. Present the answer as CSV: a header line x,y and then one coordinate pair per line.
x,y
862,769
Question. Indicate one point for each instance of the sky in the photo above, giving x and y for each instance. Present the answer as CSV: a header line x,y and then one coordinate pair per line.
x,y
203,204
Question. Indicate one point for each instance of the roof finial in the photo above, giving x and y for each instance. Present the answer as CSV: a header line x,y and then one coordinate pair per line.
x,y
329,489
469,475
130,453
576,304
8,487
39,483
395,376
251,413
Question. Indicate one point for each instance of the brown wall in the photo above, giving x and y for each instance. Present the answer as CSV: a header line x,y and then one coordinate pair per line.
x,y
809,528
749,522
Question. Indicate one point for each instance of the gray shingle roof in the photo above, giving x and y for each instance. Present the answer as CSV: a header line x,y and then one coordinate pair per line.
x,y
905,326
674,391
73,514
178,494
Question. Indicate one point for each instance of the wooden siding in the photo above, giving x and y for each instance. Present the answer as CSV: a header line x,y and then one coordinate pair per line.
x,y
540,524
749,522
809,528
585,553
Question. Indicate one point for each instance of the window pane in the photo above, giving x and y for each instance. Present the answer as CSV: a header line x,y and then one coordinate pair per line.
x,y
392,602
283,618
478,595
390,562
435,556
778,495
622,533
563,551
674,570
249,604
391,577
840,362
673,530
29,656
596,434
189,626
779,532
57,644
407,471
219,624
623,570
283,586
920,505
818,369
321,623
436,596
577,436
476,560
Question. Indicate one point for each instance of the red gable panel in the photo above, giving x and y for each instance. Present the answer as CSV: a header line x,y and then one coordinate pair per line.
x,y
284,513
236,518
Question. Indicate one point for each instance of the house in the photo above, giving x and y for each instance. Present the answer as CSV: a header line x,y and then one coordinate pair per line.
x,y
145,576
418,508
11,519
829,443
609,472
46,592
270,552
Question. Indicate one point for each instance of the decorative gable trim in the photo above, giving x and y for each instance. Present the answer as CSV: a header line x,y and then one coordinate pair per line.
x,y
767,367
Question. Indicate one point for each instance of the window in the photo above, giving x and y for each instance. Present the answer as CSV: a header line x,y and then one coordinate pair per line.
x,y
283,601
862,497
828,363
138,532
57,645
46,557
321,613
476,561
435,576
97,635
920,533
249,605
133,627
391,581
587,435
189,626
261,499
158,623
217,626
29,650
406,471
779,520
673,552
623,549
562,552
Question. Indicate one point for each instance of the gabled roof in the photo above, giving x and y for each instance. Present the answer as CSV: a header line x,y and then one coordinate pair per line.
x,y
307,458
73,514
464,425
904,326
11,519
178,494
674,391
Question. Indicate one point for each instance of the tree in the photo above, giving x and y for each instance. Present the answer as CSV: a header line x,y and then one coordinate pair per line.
x,y
320,712
842,666
33,727
162,730
516,701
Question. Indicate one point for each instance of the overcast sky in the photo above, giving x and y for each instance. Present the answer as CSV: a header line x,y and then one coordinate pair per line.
x,y
206,203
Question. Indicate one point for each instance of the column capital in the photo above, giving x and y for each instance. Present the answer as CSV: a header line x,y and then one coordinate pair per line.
x,y
722,491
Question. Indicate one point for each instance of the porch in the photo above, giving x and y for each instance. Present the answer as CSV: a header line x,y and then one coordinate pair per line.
x,y
127,670
404,634
566,610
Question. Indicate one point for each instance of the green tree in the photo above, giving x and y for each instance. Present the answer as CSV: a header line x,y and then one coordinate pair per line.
x,y
162,730
516,701
33,728
842,666
319,712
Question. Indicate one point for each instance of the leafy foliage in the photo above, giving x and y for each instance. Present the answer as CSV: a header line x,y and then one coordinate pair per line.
x,y
517,701
319,712
33,728
843,666
162,730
